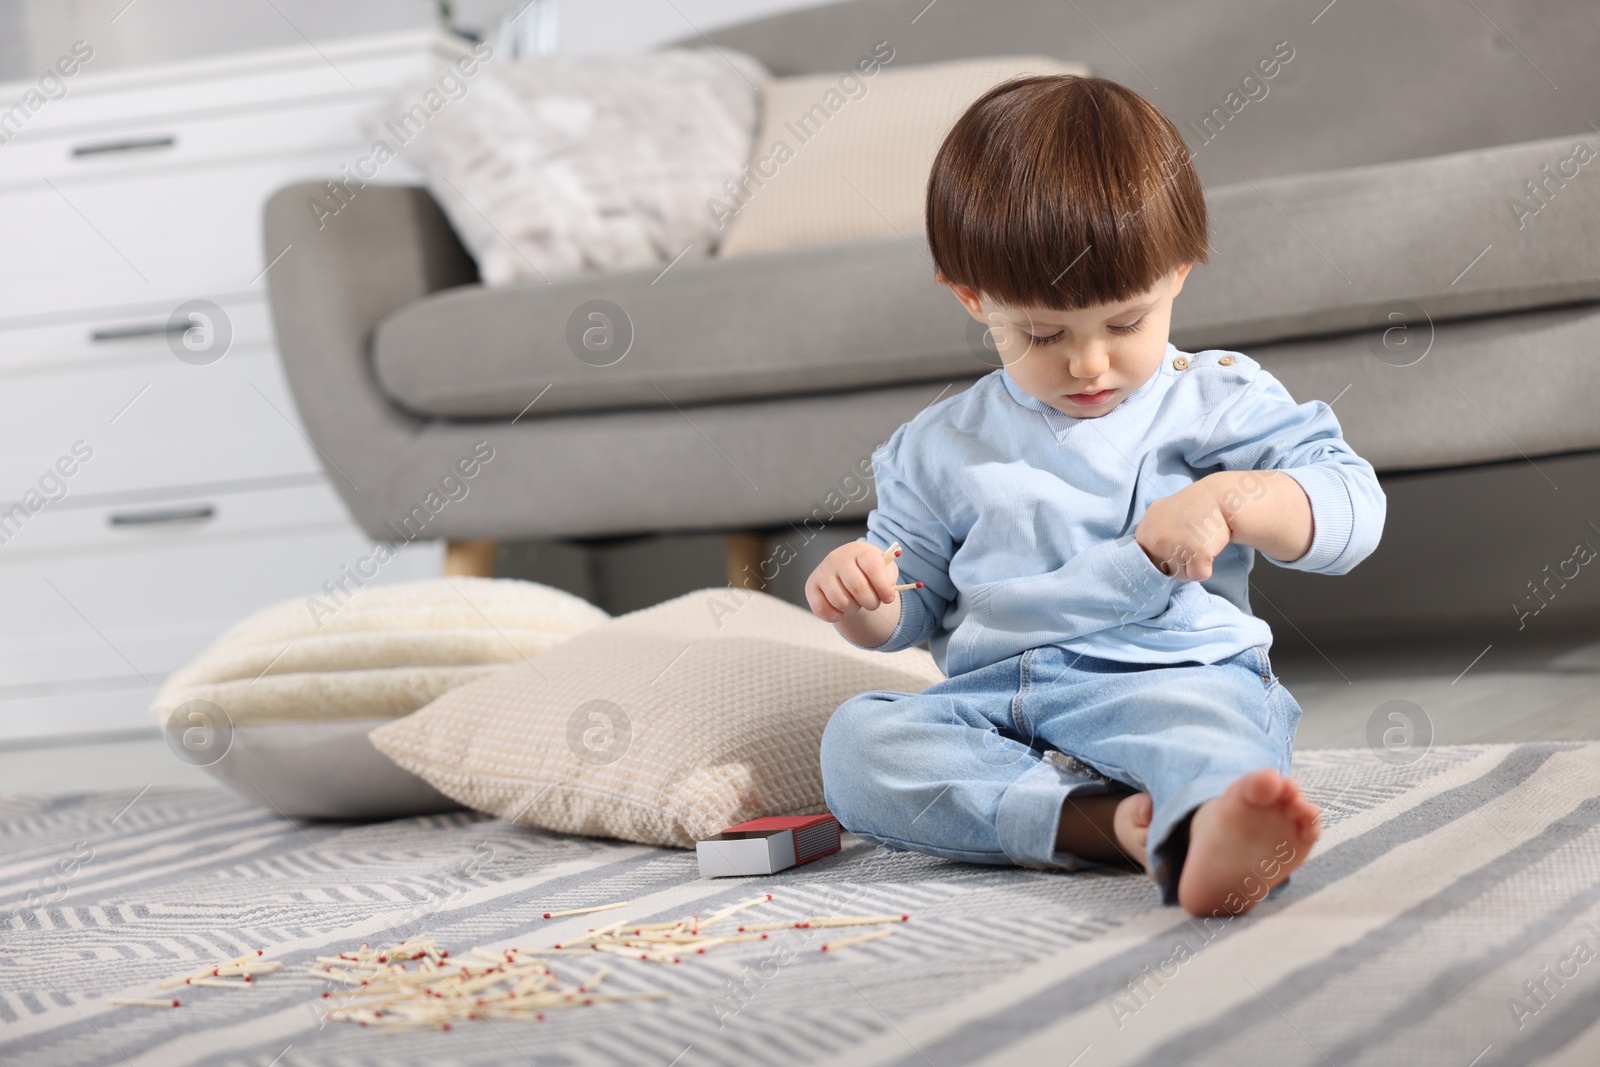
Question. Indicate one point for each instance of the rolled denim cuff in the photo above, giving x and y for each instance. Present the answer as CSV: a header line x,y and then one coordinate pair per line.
x,y
1168,843
1029,815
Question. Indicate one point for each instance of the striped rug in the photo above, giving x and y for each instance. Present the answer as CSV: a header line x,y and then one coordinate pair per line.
x,y
1450,915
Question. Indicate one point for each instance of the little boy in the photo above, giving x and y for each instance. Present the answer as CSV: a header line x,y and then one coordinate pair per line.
x,y
1082,523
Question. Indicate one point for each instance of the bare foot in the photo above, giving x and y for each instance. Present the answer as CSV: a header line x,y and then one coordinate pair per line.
x,y
1245,842
1131,825
1105,827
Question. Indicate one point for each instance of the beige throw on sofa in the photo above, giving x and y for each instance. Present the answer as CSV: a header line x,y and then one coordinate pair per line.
x,y
845,157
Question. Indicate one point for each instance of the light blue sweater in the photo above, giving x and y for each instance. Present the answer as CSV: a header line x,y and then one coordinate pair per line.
x,y
1019,520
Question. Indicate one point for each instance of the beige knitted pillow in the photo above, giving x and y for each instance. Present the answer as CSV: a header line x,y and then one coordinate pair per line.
x,y
844,157
663,726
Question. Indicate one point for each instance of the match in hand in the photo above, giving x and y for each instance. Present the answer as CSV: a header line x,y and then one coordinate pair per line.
x,y
888,556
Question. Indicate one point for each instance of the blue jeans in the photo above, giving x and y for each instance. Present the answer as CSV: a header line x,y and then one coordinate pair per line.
x,y
976,767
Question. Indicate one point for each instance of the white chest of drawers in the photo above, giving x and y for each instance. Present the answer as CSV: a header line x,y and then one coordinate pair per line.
x,y
156,486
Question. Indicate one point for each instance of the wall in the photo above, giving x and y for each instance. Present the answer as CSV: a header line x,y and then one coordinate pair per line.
x,y
124,33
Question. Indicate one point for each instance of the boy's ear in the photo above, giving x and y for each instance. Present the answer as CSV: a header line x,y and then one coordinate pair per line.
x,y
968,297
1181,274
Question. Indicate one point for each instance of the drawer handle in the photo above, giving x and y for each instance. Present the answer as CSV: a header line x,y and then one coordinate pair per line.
x,y
139,144
130,333
164,516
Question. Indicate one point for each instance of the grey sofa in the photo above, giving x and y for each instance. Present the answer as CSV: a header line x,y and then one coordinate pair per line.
x,y
1366,250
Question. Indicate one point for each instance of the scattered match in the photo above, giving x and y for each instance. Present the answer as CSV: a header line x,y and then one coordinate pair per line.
x,y
860,939
237,973
585,911
439,993
416,984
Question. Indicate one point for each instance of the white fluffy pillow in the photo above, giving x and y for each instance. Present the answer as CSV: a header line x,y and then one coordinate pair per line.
x,y
379,652
552,166
278,708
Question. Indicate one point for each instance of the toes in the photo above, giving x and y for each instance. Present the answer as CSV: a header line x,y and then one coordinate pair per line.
x,y
1308,827
1142,809
1301,807
1261,788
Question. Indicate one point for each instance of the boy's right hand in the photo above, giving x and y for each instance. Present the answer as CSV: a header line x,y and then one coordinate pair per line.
x,y
852,578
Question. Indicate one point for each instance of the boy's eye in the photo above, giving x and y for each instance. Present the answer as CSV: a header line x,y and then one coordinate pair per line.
x,y
1134,327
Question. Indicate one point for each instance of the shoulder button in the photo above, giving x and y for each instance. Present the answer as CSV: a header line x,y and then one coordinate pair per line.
x,y
1226,361
1180,363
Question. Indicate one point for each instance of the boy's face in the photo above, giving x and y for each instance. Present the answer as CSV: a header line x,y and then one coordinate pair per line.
x,y
1082,363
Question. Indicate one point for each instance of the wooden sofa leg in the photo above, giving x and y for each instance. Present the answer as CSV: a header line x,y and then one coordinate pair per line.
x,y
474,559
744,551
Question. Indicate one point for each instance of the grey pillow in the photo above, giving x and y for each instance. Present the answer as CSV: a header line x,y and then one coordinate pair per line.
x,y
323,770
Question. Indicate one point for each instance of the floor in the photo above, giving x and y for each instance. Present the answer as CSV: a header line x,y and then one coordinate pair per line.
x,y
1539,685
1542,685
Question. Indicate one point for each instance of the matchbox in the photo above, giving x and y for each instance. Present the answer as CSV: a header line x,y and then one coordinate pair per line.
x,y
766,846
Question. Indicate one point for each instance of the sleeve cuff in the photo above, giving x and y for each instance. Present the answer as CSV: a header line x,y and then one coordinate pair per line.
x,y
1147,586
1332,517
913,619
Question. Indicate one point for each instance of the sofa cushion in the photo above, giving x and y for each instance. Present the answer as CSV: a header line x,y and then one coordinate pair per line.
x,y
1464,391
1293,257
817,319
1457,235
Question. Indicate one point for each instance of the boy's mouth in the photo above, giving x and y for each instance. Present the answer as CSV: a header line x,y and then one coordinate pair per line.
x,y
1090,400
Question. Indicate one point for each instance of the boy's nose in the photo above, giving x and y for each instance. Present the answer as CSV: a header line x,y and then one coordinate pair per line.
x,y
1089,362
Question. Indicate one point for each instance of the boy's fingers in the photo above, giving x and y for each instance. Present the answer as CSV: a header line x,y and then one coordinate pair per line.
x,y
838,595
881,576
854,596
860,588
820,605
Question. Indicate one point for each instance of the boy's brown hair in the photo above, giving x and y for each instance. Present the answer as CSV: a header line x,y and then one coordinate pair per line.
x,y
1064,192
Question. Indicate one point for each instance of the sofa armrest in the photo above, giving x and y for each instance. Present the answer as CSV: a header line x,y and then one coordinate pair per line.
x,y
337,277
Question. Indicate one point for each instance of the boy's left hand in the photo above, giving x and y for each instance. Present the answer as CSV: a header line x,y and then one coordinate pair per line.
x,y
1183,533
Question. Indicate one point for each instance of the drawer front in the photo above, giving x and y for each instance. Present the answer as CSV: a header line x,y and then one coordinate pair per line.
x,y
93,342
168,521
98,104
151,423
142,144
151,236
132,615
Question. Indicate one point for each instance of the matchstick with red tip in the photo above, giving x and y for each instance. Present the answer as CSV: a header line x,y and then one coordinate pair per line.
x,y
584,911
857,940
